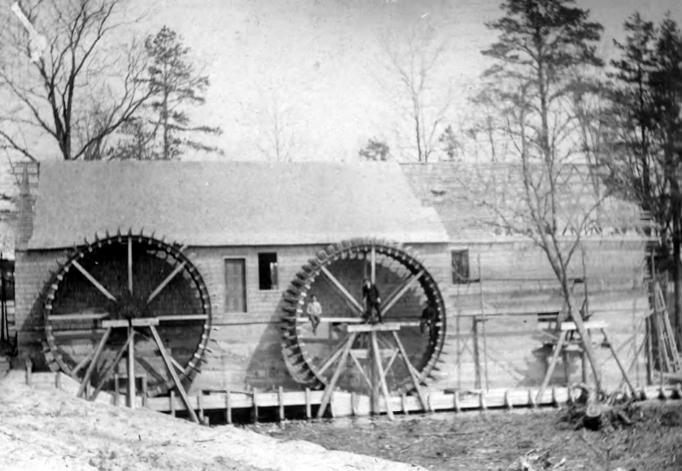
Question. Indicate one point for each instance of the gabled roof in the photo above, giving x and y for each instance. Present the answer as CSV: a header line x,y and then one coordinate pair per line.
x,y
229,203
472,199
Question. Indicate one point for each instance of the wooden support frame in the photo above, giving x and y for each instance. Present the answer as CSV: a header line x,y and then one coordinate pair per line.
x,y
129,347
376,378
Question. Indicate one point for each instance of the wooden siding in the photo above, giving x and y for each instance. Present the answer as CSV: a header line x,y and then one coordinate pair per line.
x,y
515,286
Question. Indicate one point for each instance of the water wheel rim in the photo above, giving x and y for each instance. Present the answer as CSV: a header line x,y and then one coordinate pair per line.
x,y
296,327
129,244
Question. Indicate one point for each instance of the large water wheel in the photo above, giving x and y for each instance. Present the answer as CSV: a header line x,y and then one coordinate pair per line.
x,y
411,308
108,293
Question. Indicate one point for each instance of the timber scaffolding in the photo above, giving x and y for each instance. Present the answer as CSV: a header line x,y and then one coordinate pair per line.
x,y
225,406
551,330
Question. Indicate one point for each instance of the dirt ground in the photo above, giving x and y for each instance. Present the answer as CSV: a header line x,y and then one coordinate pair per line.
x,y
541,440
46,429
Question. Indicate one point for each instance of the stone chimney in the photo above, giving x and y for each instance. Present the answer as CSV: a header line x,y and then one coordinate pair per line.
x,y
25,206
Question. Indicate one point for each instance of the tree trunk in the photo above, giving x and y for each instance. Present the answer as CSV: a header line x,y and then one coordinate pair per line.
x,y
677,269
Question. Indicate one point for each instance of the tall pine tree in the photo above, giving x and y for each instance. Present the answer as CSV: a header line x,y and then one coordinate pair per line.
x,y
164,130
542,50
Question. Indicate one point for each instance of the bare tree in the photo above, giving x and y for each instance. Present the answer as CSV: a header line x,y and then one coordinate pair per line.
x,y
415,58
276,126
75,86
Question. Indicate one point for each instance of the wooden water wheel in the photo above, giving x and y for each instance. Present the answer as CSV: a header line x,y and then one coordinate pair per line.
x,y
407,347
121,291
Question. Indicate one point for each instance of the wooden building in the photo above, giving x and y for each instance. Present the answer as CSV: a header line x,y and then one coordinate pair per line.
x,y
503,293
246,228
242,235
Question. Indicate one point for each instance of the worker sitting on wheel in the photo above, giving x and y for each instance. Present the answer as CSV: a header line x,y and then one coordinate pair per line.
x,y
314,311
372,300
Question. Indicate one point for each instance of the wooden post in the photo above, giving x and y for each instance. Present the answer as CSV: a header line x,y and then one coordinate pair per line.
x,y
620,365
29,368
200,408
228,407
117,389
131,368
171,370
308,407
171,399
507,400
254,411
280,400
382,375
558,348
335,377
477,355
458,407
483,321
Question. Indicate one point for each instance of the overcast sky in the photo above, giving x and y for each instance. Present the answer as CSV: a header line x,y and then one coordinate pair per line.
x,y
321,62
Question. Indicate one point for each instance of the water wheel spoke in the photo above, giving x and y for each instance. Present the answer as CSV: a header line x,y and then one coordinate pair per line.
x,y
333,356
400,291
130,265
106,373
337,276
92,280
165,282
93,362
357,307
361,369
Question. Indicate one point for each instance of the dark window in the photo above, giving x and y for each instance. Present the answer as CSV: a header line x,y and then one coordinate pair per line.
x,y
235,285
460,266
267,270
6,280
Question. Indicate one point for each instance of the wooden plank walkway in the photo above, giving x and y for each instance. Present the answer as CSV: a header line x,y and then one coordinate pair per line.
x,y
299,404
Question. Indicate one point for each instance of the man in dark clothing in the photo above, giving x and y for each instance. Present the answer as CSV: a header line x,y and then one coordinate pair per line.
x,y
428,320
372,300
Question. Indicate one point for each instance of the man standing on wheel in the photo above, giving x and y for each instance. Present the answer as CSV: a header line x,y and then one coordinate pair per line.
x,y
372,300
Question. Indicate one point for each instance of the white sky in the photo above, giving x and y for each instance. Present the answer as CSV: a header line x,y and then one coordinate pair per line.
x,y
320,60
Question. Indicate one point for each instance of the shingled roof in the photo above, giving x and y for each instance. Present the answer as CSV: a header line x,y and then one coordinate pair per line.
x,y
229,203
469,199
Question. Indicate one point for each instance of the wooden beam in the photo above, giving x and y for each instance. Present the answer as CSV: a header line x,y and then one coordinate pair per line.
x,y
360,368
131,393
414,374
174,375
92,280
336,351
344,292
130,265
165,282
109,368
381,375
552,364
93,362
399,292
75,316
337,374
183,317
385,327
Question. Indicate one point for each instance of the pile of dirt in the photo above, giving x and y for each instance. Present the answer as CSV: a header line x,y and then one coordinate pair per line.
x,y
46,429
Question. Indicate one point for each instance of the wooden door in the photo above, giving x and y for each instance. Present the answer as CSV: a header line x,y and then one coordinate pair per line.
x,y
235,285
